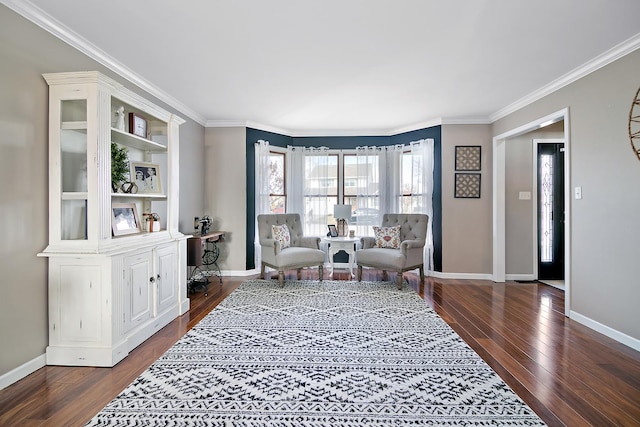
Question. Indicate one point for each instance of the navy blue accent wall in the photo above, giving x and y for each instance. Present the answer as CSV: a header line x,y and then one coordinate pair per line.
x,y
344,143
253,136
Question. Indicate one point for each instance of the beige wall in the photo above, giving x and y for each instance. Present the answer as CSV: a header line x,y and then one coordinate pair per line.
x,y
466,223
605,235
225,192
26,52
519,227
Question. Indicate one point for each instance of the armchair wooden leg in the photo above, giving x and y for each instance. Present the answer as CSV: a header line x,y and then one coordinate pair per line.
x,y
422,274
281,278
320,272
299,273
359,274
400,280
262,267
385,276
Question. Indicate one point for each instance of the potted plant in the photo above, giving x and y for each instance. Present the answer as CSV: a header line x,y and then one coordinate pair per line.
x,y
119,166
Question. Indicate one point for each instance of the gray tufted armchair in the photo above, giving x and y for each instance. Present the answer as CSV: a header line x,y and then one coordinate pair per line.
x,y
303,252
413,233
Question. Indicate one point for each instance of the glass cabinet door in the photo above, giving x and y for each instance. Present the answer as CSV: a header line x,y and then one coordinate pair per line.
x,y
73,170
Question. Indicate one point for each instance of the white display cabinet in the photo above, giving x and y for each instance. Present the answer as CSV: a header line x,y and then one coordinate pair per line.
x,y
112,283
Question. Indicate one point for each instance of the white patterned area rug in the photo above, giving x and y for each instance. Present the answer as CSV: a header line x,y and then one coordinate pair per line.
x,y
331,353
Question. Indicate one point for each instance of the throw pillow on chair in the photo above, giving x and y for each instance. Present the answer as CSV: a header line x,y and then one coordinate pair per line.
x,y
387,237
282,235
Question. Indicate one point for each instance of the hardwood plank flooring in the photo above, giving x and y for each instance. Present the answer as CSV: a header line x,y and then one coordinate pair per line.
x,y
569,374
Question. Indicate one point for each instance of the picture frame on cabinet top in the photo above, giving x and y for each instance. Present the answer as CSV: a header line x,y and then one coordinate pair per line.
x,y
124,219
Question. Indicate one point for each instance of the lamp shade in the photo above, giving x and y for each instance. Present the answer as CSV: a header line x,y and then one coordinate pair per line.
x,y
342,211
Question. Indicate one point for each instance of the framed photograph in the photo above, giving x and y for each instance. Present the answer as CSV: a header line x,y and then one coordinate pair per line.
x,y
146,176
124,219
333,231
467,186
137,125
468,157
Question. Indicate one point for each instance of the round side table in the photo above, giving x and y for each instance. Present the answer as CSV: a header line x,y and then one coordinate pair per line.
x,y
337,244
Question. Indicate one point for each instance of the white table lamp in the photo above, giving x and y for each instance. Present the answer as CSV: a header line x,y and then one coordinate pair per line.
x,y
342,214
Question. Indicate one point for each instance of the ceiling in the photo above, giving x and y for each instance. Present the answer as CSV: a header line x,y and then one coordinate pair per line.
x,y
340,67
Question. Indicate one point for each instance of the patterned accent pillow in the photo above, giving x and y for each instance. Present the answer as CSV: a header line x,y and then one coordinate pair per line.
x,y
387,237
282,235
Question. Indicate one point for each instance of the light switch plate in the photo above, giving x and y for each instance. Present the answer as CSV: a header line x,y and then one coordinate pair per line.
x,y
524,195
577,192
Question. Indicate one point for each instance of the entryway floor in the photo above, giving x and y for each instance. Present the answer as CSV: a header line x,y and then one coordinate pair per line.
x,y
558,284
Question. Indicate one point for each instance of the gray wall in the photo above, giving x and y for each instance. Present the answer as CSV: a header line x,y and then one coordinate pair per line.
x,y
26,51
225,199
466,223
605,232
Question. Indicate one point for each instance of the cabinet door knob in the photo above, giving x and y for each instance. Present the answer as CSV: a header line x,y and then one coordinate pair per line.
x,y
152,279
158,277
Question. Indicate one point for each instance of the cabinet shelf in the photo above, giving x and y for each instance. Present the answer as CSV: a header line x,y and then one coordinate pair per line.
x,y
139,196
74,125
75,195
134,141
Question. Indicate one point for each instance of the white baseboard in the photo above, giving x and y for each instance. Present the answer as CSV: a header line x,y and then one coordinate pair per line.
x,y
625,339
22,371
523,277
473,276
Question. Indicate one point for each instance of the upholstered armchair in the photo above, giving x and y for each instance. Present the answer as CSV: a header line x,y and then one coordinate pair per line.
x,y
398,245
283,247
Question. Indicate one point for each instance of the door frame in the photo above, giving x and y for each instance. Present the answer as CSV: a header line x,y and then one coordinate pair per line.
x,y
499,205
534,197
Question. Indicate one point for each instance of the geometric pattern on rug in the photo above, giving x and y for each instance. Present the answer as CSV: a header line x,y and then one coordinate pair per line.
x,y
330,353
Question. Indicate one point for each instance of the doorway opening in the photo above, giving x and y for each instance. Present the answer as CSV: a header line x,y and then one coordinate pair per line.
x,y
550,212
499,212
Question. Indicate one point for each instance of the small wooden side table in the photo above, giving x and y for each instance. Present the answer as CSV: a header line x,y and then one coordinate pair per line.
x,y
202,256
337,244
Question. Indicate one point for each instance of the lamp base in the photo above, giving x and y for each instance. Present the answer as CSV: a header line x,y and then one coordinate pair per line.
x,y
343,228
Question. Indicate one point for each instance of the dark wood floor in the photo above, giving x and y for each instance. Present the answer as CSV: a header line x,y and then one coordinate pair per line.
x,y
567,373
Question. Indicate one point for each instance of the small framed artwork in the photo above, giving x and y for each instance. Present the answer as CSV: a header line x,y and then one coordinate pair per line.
x,y
146,177
467,186
124,219
333,231
137,125
468,157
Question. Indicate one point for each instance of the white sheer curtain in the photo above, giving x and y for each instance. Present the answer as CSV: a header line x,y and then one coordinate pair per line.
x,y
385,175
370,178
262,199
421,189
309,178
378,190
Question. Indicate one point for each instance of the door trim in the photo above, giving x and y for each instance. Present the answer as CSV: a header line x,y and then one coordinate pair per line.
x,y
499,215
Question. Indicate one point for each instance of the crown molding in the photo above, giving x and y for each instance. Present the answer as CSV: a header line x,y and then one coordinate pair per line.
x,y
362,132
225,123
613,54
39,17
466,121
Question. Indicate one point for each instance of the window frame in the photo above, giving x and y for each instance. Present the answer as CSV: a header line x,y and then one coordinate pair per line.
x,y
283,153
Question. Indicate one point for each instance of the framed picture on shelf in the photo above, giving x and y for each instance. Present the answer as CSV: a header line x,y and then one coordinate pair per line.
x,y
146,176
333,231
137,125
124,219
